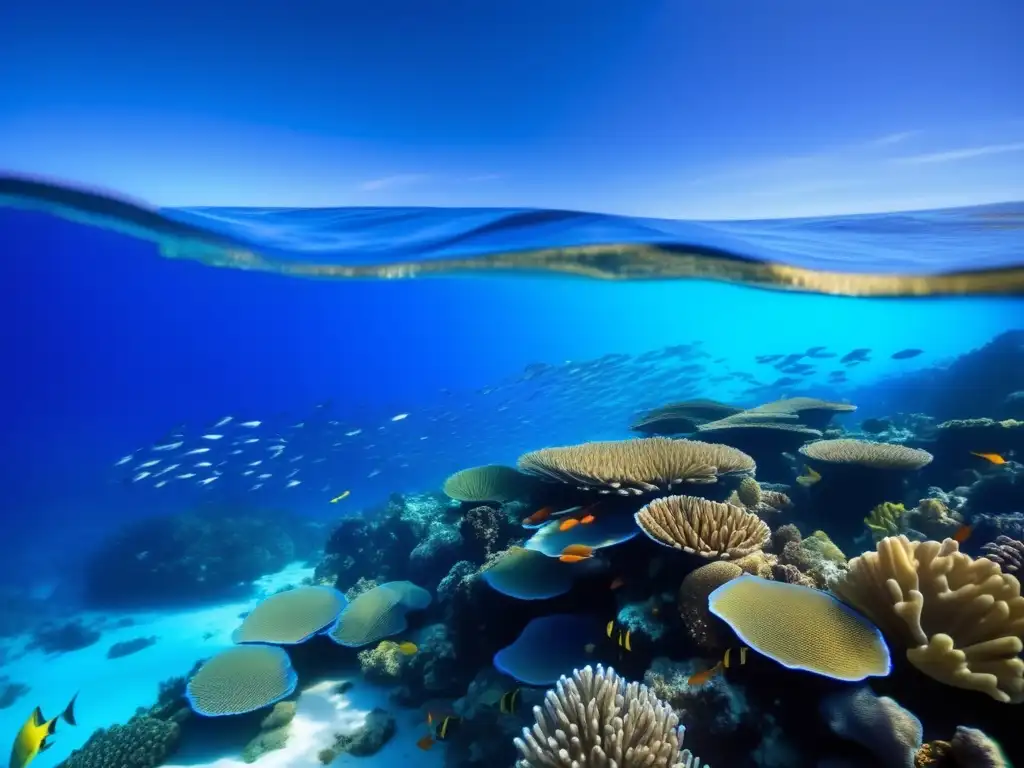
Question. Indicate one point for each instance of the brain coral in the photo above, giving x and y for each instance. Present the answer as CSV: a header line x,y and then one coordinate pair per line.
x,y
142,742
635,467
378,613
706,528
291,617
693,602
241,679
960,619
596,719
801,628
492,482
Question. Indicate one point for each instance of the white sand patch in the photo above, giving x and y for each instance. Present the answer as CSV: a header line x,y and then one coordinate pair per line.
x,y
292,576
110,690
321,712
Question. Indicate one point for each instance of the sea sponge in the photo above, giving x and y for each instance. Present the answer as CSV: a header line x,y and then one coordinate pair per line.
x,y
889,731
638,466
886,520
801,628
705,629
492,482
241,679
867,454
960,619
142,742
291,617
378,613
596,719
707,528
384,663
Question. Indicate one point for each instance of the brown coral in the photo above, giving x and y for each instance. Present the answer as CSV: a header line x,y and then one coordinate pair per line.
x,y
749,492
677,418
637,466
960,619
492,482
699,526
810,411
706,630
868,454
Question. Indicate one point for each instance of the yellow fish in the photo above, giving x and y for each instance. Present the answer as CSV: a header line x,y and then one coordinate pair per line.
x,y
509,702
407,648
809,478
32,738
340,497
622,639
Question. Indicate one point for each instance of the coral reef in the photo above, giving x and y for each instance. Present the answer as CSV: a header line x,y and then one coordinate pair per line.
x,y
949,611
886,519
1007,553
142,742
703,527
273,732
188,558
375,732
383,663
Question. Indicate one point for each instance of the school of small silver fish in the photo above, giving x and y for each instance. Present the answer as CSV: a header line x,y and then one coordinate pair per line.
x,y
330,451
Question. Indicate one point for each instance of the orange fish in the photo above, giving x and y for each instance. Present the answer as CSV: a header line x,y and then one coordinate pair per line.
x,y
425,742
572,522
539,516
617,582
578,550
962,533
702,677
995,458
587,519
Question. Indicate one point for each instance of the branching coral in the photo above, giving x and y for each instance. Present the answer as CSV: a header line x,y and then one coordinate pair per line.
x,y
383,663
960,619
636,467
706,528
1006,552
886,520
597,719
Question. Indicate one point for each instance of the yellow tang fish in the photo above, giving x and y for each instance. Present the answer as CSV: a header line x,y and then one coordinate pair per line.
x,y
809,478
32,738
407,648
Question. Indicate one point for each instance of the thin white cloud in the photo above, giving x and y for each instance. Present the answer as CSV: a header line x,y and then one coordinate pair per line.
x,y
893,138
961,154
392,182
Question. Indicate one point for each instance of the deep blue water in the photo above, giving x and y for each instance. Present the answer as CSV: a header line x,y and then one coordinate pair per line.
x,y
108,346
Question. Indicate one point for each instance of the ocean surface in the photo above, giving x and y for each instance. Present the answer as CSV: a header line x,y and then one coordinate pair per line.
x,y
220,332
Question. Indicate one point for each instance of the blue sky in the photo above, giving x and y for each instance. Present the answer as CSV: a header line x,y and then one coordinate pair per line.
x,y
708,108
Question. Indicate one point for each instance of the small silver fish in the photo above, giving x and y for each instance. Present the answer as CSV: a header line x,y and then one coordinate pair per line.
x,y
374,473
247,473
256,487
203,464
194,451
293,473
353,433
207,480
168,468
400,417
264,476
125,460
169,446
255,463
185,476
160,484
223,422
150,463
250,440
141,476
292,483
236,452
297,458
250,424
212,437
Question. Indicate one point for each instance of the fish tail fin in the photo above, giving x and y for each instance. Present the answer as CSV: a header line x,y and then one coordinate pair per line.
x,y
69,711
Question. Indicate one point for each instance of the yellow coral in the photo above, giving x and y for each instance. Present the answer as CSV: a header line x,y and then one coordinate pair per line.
x,y
885,520
960,619
933,509
383,662
819,543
